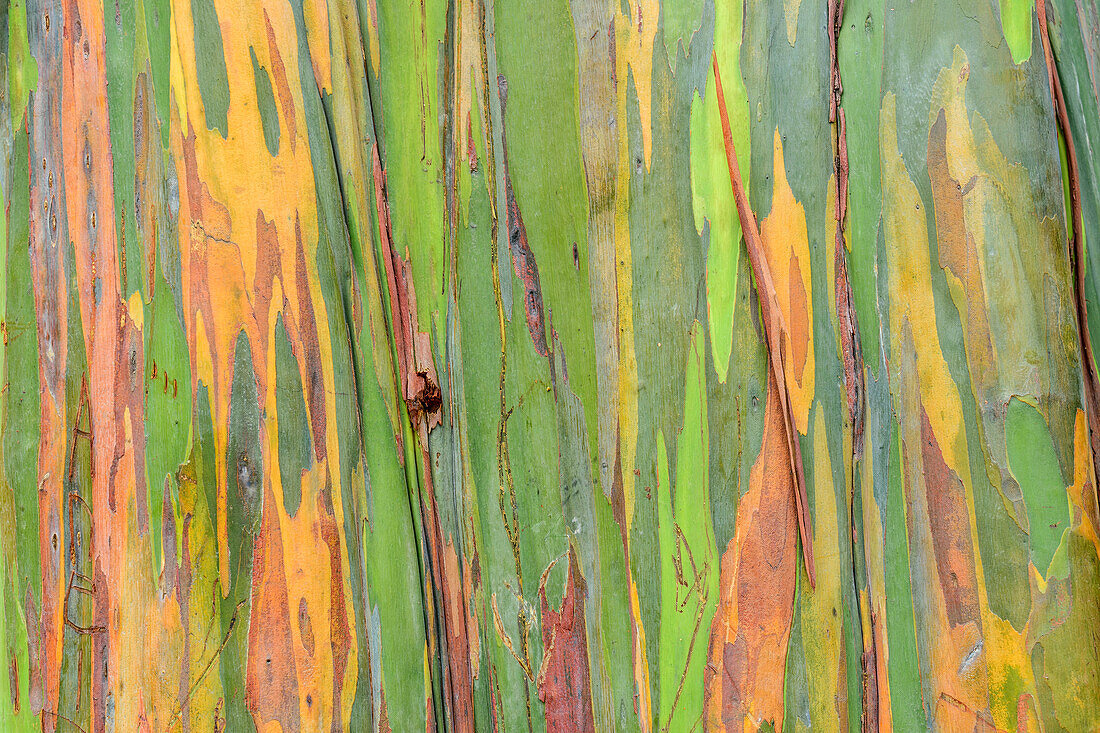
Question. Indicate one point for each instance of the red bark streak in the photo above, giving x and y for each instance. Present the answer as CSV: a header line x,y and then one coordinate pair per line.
x,y
774,328
851,348
451,605
527,270
282,87
799,327
456,626
836,13
268,269
1022,707
848,326
314,381
851,351
523,259
563,679
956,247
108,335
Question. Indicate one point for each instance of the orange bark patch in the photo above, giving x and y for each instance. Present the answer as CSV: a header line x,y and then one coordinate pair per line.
x,y
271,681
743,681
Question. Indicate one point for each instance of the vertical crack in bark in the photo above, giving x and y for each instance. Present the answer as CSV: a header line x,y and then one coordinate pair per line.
x,y
774,327
1076,247
852,360
506,488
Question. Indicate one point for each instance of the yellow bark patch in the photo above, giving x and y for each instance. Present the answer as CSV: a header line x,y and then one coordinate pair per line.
x,y
822,624
787,248
638,31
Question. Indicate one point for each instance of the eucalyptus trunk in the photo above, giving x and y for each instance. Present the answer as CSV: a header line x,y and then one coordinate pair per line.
x,y
579,365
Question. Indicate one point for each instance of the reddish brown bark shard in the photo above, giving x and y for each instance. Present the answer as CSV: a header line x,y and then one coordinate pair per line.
x,y
774,328
563,680
949,524
523,259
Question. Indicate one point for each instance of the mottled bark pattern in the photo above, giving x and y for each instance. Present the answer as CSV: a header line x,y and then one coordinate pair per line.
x,y
582,365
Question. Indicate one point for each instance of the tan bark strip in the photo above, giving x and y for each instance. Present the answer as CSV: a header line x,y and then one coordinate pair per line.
x,y
774,328
1076,245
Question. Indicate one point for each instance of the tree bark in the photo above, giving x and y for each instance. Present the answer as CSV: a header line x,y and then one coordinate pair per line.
x,y
465,365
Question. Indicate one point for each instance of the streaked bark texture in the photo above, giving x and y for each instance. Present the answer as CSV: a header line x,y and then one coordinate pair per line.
x,y
569,365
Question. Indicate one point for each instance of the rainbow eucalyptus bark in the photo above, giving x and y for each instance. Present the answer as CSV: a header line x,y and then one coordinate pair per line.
x,y
460,365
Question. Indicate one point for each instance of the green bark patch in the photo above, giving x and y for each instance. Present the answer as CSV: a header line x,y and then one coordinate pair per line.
x,y
1034,464
167,398
294,439
265,99
210,56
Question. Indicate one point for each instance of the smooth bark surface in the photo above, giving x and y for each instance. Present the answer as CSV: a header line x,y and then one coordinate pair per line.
x,y
467,365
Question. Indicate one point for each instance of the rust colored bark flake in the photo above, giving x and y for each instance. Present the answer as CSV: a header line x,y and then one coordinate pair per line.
x,y
449,603
774,328
268,269
90,212
271,681
836,14
800,330
457,627
743,679
851,351
870,661
949,520
282,87
308,337
957,252
563,678
340,639
848,326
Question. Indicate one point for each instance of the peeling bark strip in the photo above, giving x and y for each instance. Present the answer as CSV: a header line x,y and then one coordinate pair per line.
x,y
851,350
774,329
1076,245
